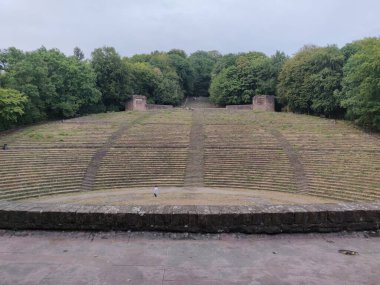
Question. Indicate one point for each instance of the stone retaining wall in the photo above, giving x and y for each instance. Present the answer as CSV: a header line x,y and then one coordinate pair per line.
x,y
210,219
239,107
158,107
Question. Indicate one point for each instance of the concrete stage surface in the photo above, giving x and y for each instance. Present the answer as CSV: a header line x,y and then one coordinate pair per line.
x,y
171,259
184,196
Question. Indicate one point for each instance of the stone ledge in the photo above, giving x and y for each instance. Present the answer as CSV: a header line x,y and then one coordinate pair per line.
x,y
208,219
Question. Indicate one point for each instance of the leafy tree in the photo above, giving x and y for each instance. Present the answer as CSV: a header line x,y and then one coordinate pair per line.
x,y
277,62
178,60
178,52
226,88
308,81
237,78
169,90
145,78
78,53
56,86
162,61
112,77
170,75
224,62
12,104
202,63
9,57
360,94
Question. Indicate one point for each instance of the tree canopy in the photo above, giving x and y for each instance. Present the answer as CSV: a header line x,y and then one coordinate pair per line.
x,y
236,79
308,81
56,86
47,84
112,78
12,104
202,63
360,94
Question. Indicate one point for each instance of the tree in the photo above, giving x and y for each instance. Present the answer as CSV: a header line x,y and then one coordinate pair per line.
x,y
308,81
202,63
12,105
237,78
78,53
224,62
178,52
145,78
226,88
169,73
56,86
169,90
112,78
178,60
360,94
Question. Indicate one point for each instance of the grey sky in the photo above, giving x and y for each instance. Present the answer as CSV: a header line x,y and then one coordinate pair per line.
x,y
142,26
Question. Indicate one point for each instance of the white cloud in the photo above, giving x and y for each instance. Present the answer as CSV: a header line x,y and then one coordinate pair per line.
x,y
146,25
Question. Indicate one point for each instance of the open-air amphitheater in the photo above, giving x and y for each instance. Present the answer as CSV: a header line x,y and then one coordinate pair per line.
x,y
217,170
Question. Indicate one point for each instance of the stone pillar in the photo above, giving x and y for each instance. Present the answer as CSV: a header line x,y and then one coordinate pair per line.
x,y
136,103
263,103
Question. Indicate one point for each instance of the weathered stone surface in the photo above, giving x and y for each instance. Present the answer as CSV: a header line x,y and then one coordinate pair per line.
x,y
263,103
136,103
213,219
239,107
158,107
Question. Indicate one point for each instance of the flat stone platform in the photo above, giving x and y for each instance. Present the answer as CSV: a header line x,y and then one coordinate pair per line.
x,y
201,218
56,258
183,196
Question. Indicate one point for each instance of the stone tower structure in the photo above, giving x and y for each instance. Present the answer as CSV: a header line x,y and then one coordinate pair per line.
x,y
263,103
136,103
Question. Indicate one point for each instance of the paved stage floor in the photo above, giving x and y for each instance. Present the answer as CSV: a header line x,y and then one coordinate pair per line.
x,y
172,259
183,196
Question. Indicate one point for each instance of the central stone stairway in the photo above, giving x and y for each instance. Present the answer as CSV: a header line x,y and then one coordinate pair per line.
x,y
198,103
195,162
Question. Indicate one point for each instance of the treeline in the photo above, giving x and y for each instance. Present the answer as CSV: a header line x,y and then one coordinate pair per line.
x,y
46,84
336,83
326,81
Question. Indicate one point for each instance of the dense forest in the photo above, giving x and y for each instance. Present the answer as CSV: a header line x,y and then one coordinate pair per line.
x,y
47,84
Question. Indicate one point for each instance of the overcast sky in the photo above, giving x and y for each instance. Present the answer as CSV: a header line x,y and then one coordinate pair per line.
x,y
142,26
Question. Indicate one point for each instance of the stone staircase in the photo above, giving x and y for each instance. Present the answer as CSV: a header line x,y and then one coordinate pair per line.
x,y
195,161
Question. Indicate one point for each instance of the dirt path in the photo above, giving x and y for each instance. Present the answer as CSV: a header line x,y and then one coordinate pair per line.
x,y
93,167
295,162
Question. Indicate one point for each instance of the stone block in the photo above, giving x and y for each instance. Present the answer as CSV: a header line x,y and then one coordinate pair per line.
x,y
263,103
212,219
136,103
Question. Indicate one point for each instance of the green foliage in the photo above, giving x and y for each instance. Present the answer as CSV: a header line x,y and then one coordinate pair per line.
x,y
112,78
78,53
226,87
361,83
202,63
178,59
165,78
169,90
56,86
145,78
308,81
12,104
237,78
224,62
